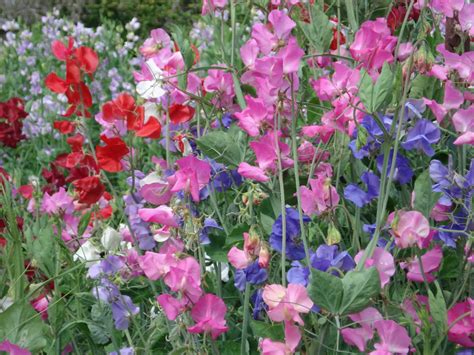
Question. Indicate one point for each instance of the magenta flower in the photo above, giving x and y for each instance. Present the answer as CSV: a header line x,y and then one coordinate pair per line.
x,y
13,349
162,214
409,228
463,122
172,306
255,116
158,39
209,315
266,152
430,261
321,197
252,172
192,176
286,304
383,262
461,331
343,80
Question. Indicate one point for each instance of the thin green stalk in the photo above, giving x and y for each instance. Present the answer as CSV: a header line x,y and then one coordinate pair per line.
x,y
243,345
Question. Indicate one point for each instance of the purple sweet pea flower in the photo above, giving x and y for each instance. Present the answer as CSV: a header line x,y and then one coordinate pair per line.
x,y
294,245
298,274
421,136
402,173
253,274
109,266
359,197
123,351
122,309
209,224
327,256
374,136
259,306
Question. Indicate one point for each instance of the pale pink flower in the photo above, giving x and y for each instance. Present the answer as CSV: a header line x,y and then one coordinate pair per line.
x,y
57,203
292,339
394,338
286,304
252,172
463,122
359,336
158,40
209,315
239,258
155,265
212,5
320,198
409,228
383,262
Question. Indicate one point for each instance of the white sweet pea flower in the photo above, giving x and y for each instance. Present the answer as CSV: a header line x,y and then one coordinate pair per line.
x,y
152,89
87,253
110,239
5,302
224,268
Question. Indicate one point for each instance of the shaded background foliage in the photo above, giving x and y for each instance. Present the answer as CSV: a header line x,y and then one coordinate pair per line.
x,y
150,13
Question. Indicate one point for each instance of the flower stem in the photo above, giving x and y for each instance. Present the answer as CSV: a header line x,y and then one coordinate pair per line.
x,y
243,345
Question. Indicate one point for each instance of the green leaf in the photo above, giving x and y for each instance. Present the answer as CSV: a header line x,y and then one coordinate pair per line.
x,y
362,135
366,91
267,223
319,31
359,287
425,198
101,324
382,88
438,311
83,223
221,146
42,248
325,290
267,330
21,325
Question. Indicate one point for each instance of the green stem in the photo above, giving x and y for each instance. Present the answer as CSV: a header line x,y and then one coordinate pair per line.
x,y
243,345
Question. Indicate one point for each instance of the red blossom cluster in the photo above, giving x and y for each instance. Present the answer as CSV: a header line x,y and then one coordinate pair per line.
x,y
12,114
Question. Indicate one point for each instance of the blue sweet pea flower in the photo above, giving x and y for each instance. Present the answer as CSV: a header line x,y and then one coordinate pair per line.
x,y
402,173
359,197
209,224
253,274
259,306
421,136
294,245
298,274
327,256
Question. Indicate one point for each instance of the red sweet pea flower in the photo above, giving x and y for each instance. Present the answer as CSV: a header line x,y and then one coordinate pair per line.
x,y
110,155
123,107
90,189
76,142
26,191
11,116
181,113
151,129
64,127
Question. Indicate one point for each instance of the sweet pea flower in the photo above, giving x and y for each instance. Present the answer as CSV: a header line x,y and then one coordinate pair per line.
x,y
171,306
254,116
360,197
292,339
193,175
110,239
321,197
461,331
383,262
155,265
359,336
158,39
421,136
463,121
13,349
156,189
409,228
343,80
162,214
59,202
266,152
430,261
153,86
453,99
394,338
211,6
286,304
252,172
209,315
185,277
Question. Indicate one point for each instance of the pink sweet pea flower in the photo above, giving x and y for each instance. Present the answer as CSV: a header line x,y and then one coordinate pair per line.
x,y
238,258
249,52
172,307
292,339
255,116
430,261
58,203
373,44
343,80
266,152
209,315
162,214
40,304
185,277
461,331
252,172
155,265
282,24
359,336
321,197
383,261
13,349
285,304
192,176
212,5
409,228
156,190
453,99
447,7
158,39
220,82
291,55
394,338
463,122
